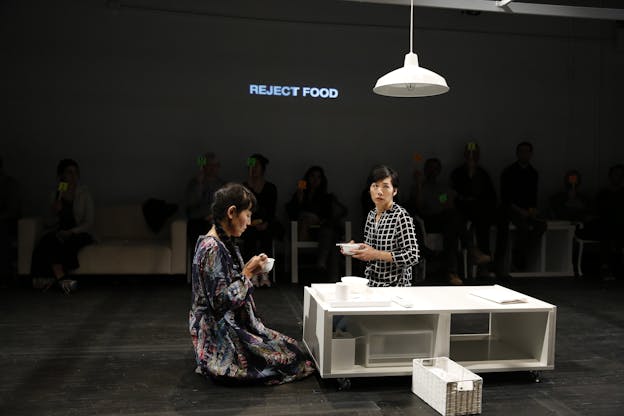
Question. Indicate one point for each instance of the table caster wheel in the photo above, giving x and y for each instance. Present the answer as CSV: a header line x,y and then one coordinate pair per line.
x,y
536,376
344,384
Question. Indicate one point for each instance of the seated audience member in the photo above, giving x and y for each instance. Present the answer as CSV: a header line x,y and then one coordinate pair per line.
x,y
319,215
231,344
435,204
476,201
9,214
570,204
609,227
263,228
518,206
68,229
390,248
199,196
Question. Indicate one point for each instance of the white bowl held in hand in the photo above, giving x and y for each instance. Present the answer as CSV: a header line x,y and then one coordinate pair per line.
x,y
268,266
347,248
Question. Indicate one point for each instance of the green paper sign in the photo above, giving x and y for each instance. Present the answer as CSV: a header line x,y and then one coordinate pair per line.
x,y
63,186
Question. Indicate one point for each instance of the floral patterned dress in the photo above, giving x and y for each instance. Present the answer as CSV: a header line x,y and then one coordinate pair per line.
x,y
230,342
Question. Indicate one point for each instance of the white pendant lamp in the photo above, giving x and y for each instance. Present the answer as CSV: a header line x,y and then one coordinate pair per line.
x,y
411,80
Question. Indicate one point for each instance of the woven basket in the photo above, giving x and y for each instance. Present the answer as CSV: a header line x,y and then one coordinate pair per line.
x,y
447,386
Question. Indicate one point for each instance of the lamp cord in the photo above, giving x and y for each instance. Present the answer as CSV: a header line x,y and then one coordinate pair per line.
x,y
412,26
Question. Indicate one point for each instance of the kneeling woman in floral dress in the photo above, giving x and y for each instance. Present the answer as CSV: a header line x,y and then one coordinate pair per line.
x,y
232,344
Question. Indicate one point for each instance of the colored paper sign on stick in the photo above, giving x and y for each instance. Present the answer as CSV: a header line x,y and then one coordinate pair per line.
x,y
63,186
251,161
443,198
417,157
573,179
472,146
302,184
201,161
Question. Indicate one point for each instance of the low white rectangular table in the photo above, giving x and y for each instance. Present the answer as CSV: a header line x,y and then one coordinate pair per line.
x,y
521,337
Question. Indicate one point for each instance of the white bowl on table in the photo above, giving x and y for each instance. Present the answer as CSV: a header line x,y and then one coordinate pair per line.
x,y
357,285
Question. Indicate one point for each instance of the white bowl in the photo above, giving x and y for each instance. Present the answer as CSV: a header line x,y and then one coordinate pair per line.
x,y
268,266
347,248
354,280
357,285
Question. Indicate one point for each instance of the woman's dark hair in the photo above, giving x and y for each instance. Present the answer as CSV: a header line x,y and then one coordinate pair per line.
x,y
261,159
380,172
226,196
310,171
64,164
524,144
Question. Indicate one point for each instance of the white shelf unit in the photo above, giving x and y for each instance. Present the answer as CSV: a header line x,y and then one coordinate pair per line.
x,y
554,252
520,337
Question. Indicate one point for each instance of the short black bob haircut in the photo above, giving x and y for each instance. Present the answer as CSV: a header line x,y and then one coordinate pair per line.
x,y
380,172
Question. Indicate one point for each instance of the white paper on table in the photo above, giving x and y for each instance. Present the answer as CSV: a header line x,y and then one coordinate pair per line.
x,y
500,294
327,293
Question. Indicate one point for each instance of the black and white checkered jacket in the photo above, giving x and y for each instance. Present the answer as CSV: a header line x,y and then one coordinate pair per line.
x,y
394,232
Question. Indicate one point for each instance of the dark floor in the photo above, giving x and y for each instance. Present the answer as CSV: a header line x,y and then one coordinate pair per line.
x,y
121,346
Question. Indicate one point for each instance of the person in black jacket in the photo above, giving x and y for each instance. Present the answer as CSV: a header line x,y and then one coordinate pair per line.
x,y
264,226
519,206
319,214
476,201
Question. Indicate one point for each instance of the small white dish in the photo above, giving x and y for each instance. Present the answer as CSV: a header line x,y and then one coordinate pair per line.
x,y
347,248
268,266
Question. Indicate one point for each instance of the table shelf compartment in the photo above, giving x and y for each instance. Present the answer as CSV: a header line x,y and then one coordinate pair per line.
x,y
486,349
392,342
514,338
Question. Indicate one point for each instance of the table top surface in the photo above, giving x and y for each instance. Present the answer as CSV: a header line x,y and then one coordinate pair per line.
x,y
423,299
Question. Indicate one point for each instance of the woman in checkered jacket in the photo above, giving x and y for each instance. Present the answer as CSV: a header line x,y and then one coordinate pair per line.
x,y
389,248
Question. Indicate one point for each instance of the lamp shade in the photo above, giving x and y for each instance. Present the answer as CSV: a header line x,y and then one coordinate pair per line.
x,y
411,81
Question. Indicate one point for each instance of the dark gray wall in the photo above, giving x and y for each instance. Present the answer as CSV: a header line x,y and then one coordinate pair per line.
x,y
135,94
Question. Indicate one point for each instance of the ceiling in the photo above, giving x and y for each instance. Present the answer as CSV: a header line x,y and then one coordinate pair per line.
x,y
583,9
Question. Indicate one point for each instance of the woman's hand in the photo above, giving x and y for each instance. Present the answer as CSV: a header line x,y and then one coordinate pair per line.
x,y
254,265
366,253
